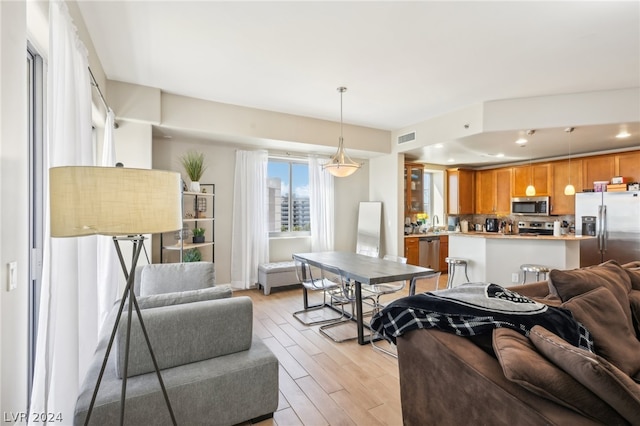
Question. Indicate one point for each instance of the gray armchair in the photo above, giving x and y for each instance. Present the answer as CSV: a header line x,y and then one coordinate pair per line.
x,y
215,371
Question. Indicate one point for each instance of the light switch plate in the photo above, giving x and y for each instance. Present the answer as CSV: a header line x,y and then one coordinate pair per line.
x,y
13,276
515,277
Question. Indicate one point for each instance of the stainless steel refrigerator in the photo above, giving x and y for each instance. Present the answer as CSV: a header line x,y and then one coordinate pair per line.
x,y
614,219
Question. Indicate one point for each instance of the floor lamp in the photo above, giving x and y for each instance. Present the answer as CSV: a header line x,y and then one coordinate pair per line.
x,y
124,204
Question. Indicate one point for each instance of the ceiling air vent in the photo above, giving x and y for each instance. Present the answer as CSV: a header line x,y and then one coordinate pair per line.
x,y
409,137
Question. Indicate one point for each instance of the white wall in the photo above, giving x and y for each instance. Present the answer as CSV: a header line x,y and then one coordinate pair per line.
x,y
14,207
387,185
348,192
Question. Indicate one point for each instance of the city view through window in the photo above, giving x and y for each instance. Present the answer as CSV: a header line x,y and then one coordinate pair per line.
x,y
288,184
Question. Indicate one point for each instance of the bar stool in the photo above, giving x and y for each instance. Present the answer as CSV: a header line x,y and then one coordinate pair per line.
x,y
452,264
536,269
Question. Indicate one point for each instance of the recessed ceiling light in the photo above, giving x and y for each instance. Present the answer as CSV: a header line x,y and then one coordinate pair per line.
x,y
438,145
623,134
451,160
521,141
499,155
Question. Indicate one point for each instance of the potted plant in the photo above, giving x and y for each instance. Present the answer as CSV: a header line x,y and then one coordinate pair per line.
x,y
193,163
198,235
192,255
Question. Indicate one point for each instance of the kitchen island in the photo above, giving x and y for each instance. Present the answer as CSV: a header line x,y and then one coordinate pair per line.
x,y
496,258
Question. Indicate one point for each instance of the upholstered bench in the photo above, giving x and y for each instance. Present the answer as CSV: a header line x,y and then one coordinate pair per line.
x,y
276,274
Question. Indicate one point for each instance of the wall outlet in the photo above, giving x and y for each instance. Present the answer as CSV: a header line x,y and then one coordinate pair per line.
x,y
515,277
12,284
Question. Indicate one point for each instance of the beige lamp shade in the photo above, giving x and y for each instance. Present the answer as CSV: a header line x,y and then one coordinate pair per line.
x,y
113,201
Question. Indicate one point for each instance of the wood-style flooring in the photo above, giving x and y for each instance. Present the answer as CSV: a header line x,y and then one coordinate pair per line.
x,y
322,382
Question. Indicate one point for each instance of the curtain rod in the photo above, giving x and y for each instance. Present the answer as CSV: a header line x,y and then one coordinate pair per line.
x,y
94,83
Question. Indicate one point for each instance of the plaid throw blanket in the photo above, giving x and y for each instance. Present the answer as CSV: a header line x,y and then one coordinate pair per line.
x,y
476,308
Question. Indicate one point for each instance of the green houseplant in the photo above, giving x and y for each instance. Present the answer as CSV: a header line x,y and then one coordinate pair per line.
x,y
193,163
192,255
198,235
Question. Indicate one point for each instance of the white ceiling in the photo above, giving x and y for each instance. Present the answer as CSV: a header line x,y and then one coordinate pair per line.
x,y
403,62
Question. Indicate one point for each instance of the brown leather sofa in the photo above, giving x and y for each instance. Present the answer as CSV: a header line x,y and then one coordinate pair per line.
x,y
446,379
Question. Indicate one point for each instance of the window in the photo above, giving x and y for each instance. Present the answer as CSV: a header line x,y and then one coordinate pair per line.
x,y
427,207
288,183
434,196
35,88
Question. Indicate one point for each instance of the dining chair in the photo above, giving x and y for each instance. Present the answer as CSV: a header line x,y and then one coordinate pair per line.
x,y
321,312
428,282
342,295
379,290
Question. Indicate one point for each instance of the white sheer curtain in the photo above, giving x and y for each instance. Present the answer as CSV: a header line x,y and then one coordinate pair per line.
x,y
321,206
109,270
250,228
67,325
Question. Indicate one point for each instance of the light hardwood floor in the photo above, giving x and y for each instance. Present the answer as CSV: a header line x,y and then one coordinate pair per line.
x,y
322,382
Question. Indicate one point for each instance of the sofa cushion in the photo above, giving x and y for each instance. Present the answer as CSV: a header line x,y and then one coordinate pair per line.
x,y
613,339
185,333
634,301
594,372
634,276
522,364
610,275
172,277
179,297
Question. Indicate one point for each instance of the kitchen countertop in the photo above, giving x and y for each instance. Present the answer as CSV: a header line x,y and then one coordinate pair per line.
x,y
431,234
492,235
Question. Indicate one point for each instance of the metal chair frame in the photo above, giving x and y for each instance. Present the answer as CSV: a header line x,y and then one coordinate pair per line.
x,y
343,294
309,283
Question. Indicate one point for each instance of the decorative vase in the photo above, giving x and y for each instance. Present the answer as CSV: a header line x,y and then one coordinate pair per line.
x,y
195,187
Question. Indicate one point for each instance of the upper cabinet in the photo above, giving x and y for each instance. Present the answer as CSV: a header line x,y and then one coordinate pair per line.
x,y
563,172
414,188
461,188
601,168
493,191
490,191
536,174
627,164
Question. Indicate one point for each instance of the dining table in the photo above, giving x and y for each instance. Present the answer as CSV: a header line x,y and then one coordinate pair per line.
x,y
362,269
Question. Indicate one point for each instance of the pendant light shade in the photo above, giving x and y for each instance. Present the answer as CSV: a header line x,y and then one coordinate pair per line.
x,y
530,191
569,189
340,164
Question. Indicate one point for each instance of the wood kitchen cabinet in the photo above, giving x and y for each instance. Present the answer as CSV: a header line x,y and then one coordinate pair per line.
x,y
444,252
414,189
627,164
538,174
412,250
461,191
493,191
594,169
560,172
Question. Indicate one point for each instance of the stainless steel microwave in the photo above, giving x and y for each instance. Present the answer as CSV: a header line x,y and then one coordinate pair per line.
x,y
530,206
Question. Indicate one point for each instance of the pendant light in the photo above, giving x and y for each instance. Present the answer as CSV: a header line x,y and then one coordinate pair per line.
x,y
531,190
340,164
569,189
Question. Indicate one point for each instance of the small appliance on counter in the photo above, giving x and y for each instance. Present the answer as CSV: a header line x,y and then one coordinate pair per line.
x,y
535,228
491,225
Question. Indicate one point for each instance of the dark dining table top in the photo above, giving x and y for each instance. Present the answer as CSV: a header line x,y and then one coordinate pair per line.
x,y
364,269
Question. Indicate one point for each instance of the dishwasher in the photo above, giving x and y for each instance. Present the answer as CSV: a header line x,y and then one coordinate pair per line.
x,y
429,252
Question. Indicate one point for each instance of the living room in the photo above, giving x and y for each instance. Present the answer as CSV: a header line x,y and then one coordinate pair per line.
x,y
156,127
